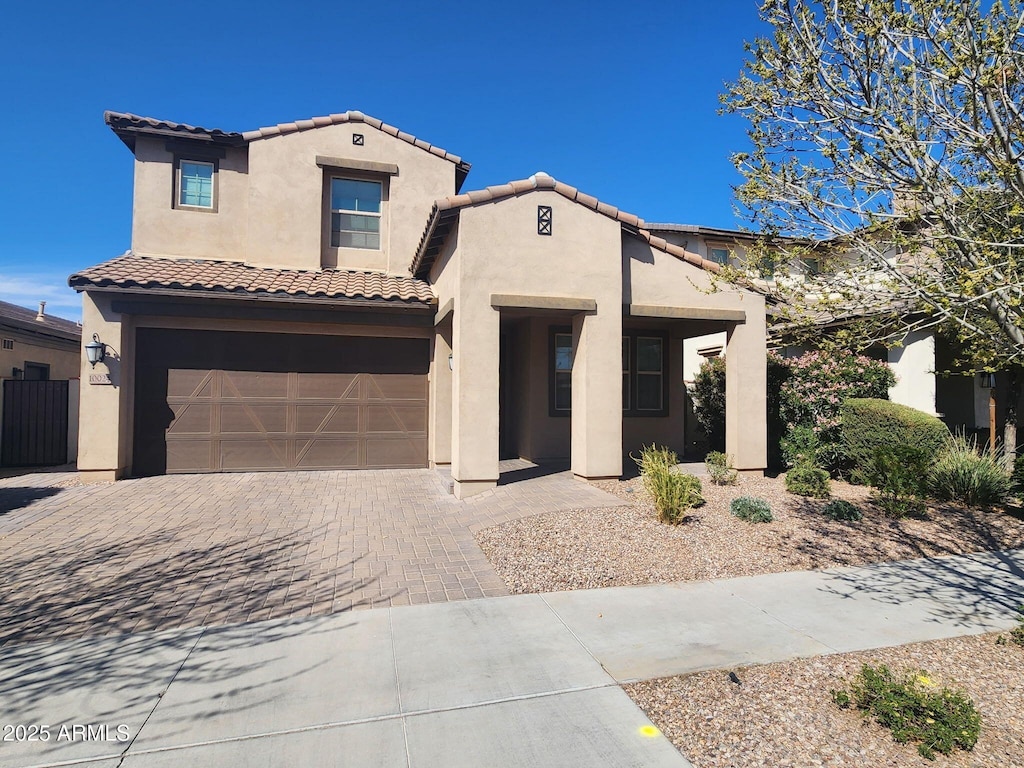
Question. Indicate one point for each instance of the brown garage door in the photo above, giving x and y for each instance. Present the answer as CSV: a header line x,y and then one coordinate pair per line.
x,y
210,401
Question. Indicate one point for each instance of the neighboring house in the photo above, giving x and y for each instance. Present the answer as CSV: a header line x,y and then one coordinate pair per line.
x,y
320,294
35,419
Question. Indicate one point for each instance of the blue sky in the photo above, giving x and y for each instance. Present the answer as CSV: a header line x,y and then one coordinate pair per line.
x,y
617,99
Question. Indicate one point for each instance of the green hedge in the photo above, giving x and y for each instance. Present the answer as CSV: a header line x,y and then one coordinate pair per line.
x,y
869,424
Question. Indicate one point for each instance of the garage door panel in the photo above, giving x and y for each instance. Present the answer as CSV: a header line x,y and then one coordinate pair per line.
x,y
256,418
269,453
189,455
324,453
395,418
327,419
227,401
329,386
191,384
396,386
384,452
251,384
191,418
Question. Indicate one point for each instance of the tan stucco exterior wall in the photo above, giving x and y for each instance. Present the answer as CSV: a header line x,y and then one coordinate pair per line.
x,y
160,229
104,448
270,201
499,251
659,279
286,188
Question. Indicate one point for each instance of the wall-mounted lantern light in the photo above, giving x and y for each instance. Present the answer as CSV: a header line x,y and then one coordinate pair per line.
x,y
451,362
987,380
95,350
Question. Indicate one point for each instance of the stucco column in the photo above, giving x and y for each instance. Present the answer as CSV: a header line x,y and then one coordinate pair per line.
x,y
596,447
104,414
475,339
440,445
746,392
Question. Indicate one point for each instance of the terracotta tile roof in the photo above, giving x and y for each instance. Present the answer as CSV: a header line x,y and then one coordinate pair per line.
x,y
127,126
141,272
446,210
26,319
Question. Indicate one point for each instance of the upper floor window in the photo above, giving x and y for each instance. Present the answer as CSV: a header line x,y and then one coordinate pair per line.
x,y
718,255
355,213
195,184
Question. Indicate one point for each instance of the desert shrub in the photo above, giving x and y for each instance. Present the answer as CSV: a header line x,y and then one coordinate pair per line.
x,y
751,509
709,401
870,423
817,385
1017,633
963,473
719,467
900,474
802,391
805,480
800,447
674,492
914,709
840,509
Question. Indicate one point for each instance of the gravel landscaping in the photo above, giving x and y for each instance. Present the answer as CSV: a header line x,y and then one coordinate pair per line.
x,y
782,714
587,548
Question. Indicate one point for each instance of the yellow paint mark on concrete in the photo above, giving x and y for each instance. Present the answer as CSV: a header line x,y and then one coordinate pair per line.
x,y
649,731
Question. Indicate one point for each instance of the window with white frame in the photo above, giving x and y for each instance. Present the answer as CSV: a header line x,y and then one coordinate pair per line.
x,y
195,184
355,213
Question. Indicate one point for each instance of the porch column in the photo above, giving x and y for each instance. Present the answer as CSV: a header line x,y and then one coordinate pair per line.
x,y
440,439
104,435
746,393
474,446
596,443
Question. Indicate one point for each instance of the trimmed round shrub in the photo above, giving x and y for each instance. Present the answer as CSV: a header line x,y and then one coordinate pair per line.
x,y
871,424
751,509
805,480
841,509
962,473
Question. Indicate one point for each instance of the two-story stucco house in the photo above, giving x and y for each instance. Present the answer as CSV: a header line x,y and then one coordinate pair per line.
x,y
322,294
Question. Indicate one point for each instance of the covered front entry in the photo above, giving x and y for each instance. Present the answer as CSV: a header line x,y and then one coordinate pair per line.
x,y
221,401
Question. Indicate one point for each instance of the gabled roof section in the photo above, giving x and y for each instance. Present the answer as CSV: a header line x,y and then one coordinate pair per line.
x,y
128,126
446,211
25,319
131,271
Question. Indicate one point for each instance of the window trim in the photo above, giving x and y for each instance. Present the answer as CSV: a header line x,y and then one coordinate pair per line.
x,y
331,253
176,192
715,246
629,336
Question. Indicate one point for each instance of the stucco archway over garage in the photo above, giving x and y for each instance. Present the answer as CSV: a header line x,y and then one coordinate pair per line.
x,y
540,247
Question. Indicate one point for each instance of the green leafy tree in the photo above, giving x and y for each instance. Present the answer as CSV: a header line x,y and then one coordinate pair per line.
x,y
887,143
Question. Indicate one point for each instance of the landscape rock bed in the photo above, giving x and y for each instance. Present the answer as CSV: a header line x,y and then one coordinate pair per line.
x,y
618,546
782,714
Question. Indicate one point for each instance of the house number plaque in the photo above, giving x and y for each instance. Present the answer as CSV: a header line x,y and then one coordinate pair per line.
x,y
100,378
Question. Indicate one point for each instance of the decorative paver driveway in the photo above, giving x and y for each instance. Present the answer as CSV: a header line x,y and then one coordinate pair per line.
x,y
189,550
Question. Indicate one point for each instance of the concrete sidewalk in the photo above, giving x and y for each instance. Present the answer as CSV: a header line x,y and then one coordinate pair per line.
x,y
530,680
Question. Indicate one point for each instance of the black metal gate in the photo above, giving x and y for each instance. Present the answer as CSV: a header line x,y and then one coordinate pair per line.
x,y
35,423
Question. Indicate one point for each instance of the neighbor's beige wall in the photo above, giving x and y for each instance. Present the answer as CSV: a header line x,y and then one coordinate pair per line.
x,y
159,229
62,357
104,440
286,197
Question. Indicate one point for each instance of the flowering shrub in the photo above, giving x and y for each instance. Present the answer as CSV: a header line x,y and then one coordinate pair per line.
x,y
813,395
803,391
